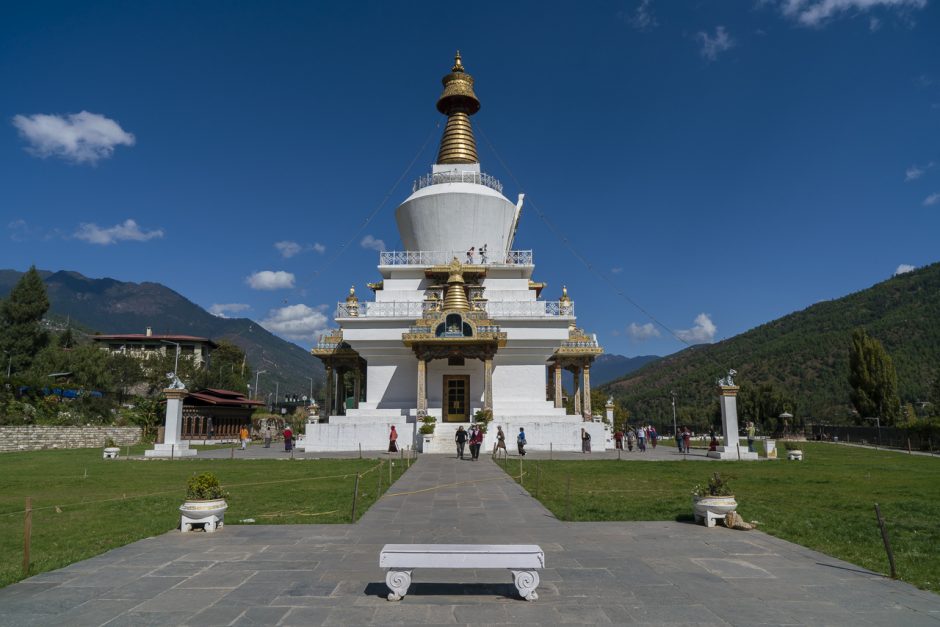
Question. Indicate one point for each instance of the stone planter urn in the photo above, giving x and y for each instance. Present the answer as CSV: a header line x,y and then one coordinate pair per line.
x,y
426,440
210,513
711,508
111,452
795,455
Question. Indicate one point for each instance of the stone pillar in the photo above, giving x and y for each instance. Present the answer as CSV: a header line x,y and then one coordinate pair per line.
x,y
577,390
173,445
357,388
488,383
558,402
609,407
422,388
730,439
587,391
328,390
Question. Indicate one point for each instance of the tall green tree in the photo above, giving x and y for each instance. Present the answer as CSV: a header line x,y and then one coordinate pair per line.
x,y
873,379
227,369
21,332
935,395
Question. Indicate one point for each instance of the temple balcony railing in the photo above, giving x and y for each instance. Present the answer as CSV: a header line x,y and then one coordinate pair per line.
x,y
581,344
456,176
493,309
444,257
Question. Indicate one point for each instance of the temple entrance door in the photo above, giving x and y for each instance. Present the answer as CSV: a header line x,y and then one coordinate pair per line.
x,y
456,398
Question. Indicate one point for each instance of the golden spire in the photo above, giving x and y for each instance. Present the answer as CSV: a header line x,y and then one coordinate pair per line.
x,y
456,297
564,295
458,103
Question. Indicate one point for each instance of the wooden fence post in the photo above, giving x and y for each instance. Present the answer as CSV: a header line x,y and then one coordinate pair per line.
x,y
355,497
27,534
884,538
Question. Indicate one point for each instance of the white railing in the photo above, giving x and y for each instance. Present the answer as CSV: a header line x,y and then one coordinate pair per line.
x,y
455,176
444,257
494,309
588,344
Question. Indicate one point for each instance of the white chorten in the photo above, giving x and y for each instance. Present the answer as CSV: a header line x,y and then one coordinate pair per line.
x,y
457,325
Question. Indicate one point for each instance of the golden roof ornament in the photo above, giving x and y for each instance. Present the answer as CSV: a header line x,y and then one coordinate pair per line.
x,y
564,295
352,303
458,103
456,297
352,298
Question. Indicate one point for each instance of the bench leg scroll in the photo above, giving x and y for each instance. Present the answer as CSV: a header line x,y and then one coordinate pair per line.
x,y
398,582
526,582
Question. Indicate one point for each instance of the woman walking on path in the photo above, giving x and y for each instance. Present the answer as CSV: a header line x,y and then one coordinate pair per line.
x,y
476,441
288,440
268,434
653,435
520,441
641,438
618,439
393,440
585,441
631,437
686,439
500,442
244,437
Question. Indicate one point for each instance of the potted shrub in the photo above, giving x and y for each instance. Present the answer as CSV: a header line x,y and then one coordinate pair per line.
x,y
482,418
205,503
794,452
111,449
427,432
715,498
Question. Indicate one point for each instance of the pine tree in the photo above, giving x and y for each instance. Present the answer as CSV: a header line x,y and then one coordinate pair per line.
x,y
935,395
21,332
873,379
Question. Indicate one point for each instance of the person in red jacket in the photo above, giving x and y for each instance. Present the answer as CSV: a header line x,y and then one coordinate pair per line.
x,y
288,439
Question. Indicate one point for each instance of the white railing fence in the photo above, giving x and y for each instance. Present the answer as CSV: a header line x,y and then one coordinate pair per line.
x,y
444,257
455,176
494,309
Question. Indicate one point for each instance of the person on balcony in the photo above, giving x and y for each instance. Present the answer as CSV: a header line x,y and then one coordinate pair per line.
x,y
483,254
470,254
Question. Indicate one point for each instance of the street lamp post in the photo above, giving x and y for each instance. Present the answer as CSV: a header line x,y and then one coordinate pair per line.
x,y
258,374
176,362
310,398
675,426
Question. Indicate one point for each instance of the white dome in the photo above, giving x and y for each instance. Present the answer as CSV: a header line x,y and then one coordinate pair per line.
x,y
452,217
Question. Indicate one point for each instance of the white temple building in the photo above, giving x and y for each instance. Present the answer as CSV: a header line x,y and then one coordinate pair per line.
x,y
453,332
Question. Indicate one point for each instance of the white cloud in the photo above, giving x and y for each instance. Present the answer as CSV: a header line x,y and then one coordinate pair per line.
x,y
616,270
642,332
128,230
713,46
80,137
702,332
375,244
318,247
916,171
222,310
642,18
270,280
931,200
904,268
818,12
296,322
287,248
874,24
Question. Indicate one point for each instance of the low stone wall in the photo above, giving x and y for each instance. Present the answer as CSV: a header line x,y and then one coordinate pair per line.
x,y
35,438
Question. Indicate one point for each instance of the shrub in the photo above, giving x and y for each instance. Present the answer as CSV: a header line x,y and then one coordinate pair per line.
x,y
482,418
792,446
109,442
428,427
204,487
716,486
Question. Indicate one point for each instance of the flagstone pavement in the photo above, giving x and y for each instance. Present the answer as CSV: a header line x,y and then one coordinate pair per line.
x,y
600,573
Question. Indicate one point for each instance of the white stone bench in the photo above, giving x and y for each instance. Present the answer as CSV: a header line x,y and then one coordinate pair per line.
x,y
522,560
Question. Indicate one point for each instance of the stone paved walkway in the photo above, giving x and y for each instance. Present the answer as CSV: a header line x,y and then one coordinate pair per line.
x,y
598,573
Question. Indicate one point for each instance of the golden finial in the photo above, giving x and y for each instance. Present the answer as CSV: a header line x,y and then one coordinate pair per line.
x,y
352,295
456,298
564,294
458,103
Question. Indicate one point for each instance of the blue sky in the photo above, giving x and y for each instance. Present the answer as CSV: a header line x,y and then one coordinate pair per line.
x,y
720,163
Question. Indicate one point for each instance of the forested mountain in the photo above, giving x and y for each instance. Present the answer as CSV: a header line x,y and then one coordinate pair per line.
x,y
804,356
111,306
609,367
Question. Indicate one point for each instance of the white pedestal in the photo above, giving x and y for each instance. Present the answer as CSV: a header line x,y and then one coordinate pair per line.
x,y
733,453
173,445
730,440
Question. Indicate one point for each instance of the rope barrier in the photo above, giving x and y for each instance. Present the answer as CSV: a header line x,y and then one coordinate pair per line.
x,y
177,490
458,483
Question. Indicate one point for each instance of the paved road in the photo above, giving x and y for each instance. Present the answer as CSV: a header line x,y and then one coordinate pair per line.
x,y
598,573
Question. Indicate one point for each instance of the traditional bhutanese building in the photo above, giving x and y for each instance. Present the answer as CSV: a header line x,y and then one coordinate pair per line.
x,y
457,324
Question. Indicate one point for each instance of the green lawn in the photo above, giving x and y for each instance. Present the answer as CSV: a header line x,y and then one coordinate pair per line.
x,y
85,505
825,502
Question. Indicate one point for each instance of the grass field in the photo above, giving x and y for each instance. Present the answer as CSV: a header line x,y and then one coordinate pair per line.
x,y
84,505
825,502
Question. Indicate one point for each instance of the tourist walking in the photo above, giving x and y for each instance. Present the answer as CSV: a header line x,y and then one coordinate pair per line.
x,y
618,440
585,441
713,441
641,438
470,254
483,253
476,441
520,441
268,434
461,439
288,439
679,439
750,437
500,442
393,440
653,436
631,438
686,439
243,436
